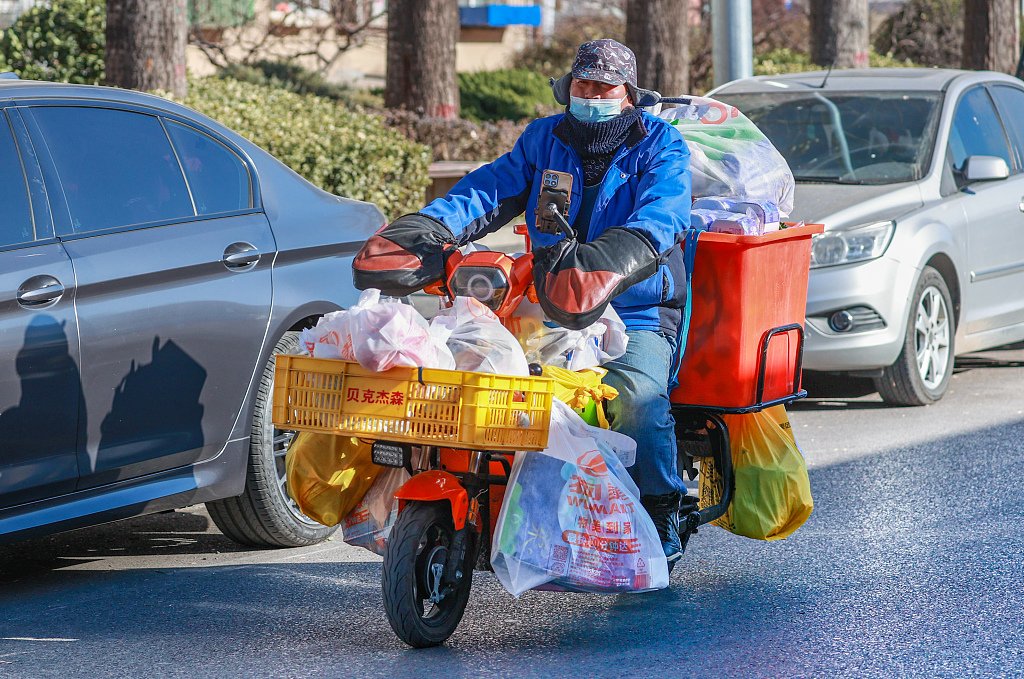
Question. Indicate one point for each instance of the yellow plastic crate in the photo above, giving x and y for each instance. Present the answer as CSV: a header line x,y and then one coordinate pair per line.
x,y
425,406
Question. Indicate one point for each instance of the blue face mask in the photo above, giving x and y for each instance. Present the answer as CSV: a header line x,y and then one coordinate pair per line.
x,y
595,110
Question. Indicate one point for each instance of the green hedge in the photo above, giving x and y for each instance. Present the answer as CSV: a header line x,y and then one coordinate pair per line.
x,y
345,152
784,60
61,41
511,94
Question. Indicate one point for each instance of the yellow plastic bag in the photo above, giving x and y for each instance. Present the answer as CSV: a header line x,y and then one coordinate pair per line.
x,y
328,475
583,391
773,492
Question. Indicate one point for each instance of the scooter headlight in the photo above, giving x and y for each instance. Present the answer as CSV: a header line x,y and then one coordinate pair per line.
x,y
488,285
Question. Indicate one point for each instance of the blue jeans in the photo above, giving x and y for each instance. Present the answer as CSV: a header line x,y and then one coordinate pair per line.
x,y
642,410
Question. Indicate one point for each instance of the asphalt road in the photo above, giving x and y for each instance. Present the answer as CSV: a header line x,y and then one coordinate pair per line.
x,y
910,565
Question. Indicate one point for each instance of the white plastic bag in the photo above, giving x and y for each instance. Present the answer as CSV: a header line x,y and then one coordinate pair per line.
x,y
379,334
730,156
572,518
603,341
477,339
329,339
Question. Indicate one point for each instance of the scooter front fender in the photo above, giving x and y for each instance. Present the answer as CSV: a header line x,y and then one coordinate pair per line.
x,y
434,486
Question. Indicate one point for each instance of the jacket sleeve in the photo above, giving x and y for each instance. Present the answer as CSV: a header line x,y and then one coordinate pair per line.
x,y
490,196
662,209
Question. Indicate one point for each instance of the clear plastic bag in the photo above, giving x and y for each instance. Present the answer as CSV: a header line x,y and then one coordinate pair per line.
x,y
590,347
572,518
723,221
477,340
369,523
728,215
730,156
379,333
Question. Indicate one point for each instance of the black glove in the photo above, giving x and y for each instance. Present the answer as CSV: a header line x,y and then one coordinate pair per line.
x,y
576,281
404,256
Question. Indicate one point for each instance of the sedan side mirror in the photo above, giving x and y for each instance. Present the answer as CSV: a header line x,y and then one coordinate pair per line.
x,y
985,168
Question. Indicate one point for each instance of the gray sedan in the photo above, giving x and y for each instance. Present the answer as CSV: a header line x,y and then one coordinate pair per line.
x,y
151,264
918,176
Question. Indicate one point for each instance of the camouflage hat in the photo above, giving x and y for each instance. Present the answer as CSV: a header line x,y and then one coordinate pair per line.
x,y
605,61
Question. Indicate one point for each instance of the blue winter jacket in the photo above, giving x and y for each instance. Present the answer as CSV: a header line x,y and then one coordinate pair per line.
x,y
646,188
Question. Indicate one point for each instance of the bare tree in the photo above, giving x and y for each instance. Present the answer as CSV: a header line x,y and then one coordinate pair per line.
x,y
657,31
146,44
421,57
313,31
991,35
839,33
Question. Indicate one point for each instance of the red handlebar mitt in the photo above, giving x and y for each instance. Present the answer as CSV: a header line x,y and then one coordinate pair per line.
x,y
404,256
576,281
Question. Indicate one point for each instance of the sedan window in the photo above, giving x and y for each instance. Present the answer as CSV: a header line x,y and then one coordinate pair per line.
x,y
218,178
1011,105
976,130
15,211
116,168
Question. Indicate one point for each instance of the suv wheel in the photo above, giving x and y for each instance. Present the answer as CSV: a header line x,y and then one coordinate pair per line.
x,y
264,515
920,375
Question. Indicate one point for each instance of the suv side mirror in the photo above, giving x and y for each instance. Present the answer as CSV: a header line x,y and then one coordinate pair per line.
x,y
985,168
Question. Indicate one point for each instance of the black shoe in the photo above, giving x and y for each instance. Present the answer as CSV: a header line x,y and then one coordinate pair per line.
x,y
667,511
664,511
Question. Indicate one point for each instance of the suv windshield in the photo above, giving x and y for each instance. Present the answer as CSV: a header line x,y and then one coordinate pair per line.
x,y
847,137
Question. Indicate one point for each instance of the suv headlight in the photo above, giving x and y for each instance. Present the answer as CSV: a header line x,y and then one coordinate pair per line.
x,y
847,246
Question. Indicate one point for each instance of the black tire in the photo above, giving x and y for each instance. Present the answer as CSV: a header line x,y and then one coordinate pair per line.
x,y
263,515
903,383
420,530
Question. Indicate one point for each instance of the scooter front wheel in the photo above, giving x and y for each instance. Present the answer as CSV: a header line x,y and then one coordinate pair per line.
x,y
422,608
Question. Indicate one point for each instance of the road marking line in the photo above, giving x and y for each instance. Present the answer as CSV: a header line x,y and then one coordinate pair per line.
x,y
34,639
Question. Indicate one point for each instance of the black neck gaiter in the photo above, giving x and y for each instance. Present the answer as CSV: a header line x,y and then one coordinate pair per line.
x,y
597,142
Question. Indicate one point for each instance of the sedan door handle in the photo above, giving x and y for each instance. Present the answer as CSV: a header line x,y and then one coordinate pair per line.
x,y
40,291
241,256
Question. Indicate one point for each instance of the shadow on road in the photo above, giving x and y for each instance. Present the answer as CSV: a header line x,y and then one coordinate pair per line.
x,y
974,361
168,533
827,391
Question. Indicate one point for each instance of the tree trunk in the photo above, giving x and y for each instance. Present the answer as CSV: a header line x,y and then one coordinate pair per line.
x,y
839,33
991,35
146,45
657,31
421,57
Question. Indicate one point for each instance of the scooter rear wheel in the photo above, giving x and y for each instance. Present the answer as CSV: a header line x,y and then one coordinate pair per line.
x,y
417,553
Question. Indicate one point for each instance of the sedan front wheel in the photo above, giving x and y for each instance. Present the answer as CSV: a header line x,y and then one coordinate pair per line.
x,y
920,375
264,515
